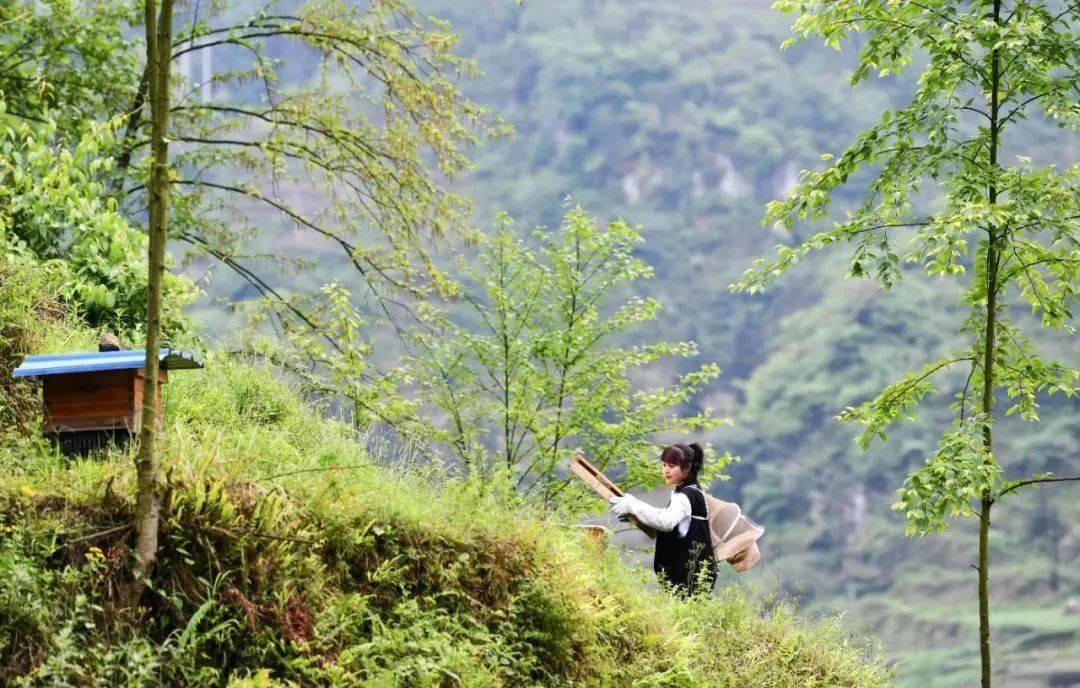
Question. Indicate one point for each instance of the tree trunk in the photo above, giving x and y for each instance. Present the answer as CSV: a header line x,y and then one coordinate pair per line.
x,y
989,351
147,464
984,590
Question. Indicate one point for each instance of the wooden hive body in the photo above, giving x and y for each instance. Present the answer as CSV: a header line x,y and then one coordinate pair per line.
x,y
106,400
94,400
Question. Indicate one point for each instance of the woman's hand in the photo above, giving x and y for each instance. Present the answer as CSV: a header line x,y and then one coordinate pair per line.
x,y
666,519
623,506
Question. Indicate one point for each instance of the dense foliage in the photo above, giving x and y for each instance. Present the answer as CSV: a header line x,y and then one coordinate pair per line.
x,y
1013,227
604,98
685,117
351,160
54,211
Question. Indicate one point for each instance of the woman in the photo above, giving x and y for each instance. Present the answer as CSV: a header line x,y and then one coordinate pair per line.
x,y
684,554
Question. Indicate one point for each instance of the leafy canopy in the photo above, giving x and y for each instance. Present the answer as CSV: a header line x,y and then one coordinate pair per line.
x,y
943,197
350,162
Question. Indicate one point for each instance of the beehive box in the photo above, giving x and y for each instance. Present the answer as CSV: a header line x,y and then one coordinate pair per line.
x,y
92,399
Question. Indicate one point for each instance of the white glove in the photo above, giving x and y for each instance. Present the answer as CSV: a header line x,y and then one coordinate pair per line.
x,y
622,506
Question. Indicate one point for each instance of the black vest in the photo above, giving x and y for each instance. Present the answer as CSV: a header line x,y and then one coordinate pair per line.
x,y
678,559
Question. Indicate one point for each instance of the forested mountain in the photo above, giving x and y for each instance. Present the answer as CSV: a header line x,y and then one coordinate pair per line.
x,y
685,119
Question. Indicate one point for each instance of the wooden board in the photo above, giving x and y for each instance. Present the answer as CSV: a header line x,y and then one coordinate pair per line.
x,y
54,425
80,387
106,400
88,401
602,486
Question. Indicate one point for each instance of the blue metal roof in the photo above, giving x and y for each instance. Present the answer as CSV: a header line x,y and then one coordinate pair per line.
x,y
60,364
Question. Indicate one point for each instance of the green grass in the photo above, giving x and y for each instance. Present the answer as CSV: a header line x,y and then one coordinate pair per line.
x,y
292,554
1045,618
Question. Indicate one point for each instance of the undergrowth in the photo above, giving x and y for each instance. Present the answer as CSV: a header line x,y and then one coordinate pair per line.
x,y
292,556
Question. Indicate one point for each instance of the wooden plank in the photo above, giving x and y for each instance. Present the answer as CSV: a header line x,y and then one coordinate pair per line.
x,y
140,375
594,478
602,486
90,409
71,387
115,393
136,402
98,423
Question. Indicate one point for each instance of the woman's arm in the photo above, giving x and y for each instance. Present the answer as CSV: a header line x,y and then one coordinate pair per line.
x,y
664,520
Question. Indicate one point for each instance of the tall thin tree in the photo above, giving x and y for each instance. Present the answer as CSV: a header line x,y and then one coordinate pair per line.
x,y
147,462
988,64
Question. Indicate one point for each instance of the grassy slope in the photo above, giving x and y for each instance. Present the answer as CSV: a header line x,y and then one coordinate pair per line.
x,y
292,556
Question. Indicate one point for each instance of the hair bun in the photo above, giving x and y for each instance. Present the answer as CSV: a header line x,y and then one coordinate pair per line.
x,y
699,454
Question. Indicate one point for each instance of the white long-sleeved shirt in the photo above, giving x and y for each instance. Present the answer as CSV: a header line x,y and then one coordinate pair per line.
x,y
676,516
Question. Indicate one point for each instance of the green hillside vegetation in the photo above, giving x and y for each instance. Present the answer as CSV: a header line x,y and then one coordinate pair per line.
x,y
684,117
294,553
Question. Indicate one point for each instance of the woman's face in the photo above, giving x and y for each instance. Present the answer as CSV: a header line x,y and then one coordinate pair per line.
x,y
674,475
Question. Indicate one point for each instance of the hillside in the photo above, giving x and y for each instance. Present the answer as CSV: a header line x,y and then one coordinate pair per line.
x,y
296,552
684,119
687,118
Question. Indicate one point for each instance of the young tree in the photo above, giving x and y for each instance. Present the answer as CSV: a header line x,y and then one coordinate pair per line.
x,y
532,367
1007,228
147,464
